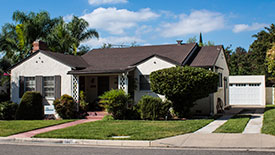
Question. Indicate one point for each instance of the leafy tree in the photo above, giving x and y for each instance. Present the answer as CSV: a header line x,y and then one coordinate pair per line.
x,y
270,61
239,63
259,47
192,39
16,39
183,86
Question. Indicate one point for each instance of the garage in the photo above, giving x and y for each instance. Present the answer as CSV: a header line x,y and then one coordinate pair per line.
x,y
247,90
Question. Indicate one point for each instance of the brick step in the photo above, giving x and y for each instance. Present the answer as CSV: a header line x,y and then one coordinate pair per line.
x,y
100,113
94,117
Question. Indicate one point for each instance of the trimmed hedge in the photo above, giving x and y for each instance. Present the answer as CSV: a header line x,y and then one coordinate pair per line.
x,y
183,86
8,110
66,107
30,107
152,108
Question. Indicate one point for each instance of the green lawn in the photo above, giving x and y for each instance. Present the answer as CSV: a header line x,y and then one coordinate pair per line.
x,y
269,120
234,125
8,128
137,129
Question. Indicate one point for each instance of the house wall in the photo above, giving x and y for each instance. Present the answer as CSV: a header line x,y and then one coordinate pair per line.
x,y
42,65
146,68
269,95
208,105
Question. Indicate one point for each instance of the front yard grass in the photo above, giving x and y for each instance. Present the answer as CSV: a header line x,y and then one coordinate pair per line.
x,y
269,120
234,125
8,128
136,129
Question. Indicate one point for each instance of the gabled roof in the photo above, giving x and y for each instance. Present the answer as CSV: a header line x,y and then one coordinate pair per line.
x,y
207,56
118,60
72,61
123,58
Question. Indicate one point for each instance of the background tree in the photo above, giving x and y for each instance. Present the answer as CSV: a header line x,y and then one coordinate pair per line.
x,y
183,86
16,38
270,62
259,47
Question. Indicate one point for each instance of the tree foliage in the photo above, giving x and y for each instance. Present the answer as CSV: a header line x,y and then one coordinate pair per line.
x,y
270,61
183,86
263,42
16,38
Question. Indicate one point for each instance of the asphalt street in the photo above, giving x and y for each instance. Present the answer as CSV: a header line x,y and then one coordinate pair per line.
x,y
30,149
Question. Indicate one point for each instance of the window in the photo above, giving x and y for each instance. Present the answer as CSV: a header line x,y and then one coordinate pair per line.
x,y
48,86
220,80
144,83
29,84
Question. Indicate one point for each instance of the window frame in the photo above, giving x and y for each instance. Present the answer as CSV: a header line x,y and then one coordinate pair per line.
x,y
143,86
44,86
26,79
220,84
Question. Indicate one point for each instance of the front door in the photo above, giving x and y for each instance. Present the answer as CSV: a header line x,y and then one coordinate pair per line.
x,y
103,84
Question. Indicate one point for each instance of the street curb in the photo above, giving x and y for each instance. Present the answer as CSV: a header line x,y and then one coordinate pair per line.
x,y
80,141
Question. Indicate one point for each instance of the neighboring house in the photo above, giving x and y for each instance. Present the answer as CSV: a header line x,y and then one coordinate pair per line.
x,y
55,74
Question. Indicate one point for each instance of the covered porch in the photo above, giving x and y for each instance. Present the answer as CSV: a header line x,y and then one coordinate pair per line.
x,y
95,85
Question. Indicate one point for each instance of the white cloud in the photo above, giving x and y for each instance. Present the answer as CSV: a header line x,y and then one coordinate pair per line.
x,y
198,21
68,18
116,21
124,40
245,27
99,2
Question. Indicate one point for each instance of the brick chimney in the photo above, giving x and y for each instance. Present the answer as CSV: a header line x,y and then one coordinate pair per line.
x,y
39,45
179,42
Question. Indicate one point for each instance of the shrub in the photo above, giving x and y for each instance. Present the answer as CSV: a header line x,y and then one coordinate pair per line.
x,y
183,86
108,118
116,102
30,107
4,96
66,107
8,110
153,108
82,101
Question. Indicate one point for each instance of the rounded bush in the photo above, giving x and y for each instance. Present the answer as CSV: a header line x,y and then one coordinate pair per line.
x,y
8,110
66,107
152,108
30,107
184,85
116,102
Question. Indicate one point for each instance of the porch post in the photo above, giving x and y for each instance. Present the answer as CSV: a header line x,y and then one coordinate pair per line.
x,y
75,87
123,82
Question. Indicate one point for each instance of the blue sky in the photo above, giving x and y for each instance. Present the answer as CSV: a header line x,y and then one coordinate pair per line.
x,y
152,22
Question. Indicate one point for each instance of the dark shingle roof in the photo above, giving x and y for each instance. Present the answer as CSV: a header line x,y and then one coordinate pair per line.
x,y
123,58
207,56
70,60
75,62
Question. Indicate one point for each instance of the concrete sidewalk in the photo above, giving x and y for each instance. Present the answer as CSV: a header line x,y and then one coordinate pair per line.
x,y
32,133
255,123
211,127
216,140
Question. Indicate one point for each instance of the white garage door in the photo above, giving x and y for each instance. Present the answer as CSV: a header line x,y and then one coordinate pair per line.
x,y
245,94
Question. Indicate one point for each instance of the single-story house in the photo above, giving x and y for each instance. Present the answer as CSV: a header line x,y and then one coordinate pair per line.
x,y
54,74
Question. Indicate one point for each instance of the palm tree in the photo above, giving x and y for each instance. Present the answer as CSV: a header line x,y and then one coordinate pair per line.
x,y
80,32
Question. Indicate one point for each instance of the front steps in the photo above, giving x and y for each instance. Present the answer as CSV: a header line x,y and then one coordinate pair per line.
x,y
98,115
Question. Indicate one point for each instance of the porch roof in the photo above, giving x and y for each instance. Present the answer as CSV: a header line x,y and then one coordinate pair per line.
x,y
90,70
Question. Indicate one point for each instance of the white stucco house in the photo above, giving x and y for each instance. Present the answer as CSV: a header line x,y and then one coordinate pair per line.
x,y
55,74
